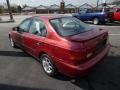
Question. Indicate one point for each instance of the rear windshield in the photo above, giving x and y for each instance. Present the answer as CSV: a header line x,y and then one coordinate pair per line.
x,y
102,10
68,26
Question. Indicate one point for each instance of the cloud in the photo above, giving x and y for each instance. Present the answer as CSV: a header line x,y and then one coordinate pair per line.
x,y
50,2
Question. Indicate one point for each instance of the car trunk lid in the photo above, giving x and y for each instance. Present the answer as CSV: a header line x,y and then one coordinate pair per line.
x,y
93,40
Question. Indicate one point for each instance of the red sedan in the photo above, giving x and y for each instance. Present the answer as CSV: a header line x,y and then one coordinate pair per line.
x,y
62,44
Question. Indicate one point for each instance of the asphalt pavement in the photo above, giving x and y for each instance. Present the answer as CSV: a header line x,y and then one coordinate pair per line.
x,y
20,71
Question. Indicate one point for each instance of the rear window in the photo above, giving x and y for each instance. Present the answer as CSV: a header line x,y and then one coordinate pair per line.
x,y
102,10
68,26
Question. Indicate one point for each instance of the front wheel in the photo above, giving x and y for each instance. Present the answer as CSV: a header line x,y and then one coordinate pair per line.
x,y
48,65
96,21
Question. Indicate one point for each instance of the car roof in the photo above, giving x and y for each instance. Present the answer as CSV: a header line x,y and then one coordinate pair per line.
x,y
49,16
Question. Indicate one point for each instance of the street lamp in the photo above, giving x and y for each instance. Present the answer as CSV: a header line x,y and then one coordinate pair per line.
x,y
9,10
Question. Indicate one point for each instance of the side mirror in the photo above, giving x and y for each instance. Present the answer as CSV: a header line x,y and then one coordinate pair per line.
x,y
19,30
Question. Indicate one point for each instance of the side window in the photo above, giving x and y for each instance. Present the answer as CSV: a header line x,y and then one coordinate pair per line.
x,y
43,29
89,11
24,26
38,28
82,11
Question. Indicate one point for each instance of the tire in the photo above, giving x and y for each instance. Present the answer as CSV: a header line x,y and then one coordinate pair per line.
x,y
96,21
48,65
12,43
111,21
103,23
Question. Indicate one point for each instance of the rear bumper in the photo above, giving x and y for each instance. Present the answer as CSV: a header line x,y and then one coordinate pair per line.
x,y
82,69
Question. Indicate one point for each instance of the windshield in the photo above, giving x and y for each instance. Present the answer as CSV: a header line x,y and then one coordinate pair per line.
x,y
68,26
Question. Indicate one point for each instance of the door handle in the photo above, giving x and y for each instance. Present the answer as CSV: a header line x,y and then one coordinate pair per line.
x,y
38,43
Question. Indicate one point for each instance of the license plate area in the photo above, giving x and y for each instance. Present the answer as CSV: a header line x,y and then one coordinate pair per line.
x,y
100,46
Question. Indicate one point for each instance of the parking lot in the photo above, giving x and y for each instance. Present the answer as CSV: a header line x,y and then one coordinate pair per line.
x,y
20,71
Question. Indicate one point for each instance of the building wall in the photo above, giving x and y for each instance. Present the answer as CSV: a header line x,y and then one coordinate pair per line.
x,y
42,11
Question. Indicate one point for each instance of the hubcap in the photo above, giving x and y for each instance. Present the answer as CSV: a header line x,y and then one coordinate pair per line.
x,y
12,43
47,65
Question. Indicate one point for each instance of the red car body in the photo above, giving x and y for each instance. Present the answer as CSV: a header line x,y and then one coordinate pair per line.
x,y
72,54
114,16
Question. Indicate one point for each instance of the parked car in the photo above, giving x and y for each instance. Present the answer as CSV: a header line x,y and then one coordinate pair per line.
x,y
62,44
114,15
97,16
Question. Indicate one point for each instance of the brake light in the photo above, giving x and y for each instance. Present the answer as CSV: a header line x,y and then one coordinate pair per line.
x,y
77,57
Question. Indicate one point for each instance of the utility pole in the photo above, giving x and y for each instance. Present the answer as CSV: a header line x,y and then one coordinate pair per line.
x,y
104,5
97,3
9,10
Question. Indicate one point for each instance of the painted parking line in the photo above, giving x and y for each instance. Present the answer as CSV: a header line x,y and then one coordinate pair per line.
x,y
107,26
114,34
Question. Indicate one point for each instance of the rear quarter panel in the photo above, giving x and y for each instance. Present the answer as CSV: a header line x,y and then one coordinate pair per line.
x,y
117,16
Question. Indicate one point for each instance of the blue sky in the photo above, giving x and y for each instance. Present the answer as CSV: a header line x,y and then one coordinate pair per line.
x,y
49,2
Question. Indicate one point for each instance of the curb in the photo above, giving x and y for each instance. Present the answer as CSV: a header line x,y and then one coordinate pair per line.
x,y
12,21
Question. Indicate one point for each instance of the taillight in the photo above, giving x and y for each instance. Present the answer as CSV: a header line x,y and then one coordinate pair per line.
x,y
77,58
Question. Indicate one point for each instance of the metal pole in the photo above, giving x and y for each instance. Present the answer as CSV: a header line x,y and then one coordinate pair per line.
x,y
9,10
104,6
97,3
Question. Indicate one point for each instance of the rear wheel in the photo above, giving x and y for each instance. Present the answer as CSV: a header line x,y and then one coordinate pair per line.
x,y
48,65
96,21
111,21
103,23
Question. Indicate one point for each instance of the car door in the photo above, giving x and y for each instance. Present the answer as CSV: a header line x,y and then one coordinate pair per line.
x,y
89,15
86,15
34,40
82,15
22,29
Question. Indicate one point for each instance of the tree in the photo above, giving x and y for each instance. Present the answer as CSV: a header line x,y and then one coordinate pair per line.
x,y
19,9
25,5
14,9
9,9
1,10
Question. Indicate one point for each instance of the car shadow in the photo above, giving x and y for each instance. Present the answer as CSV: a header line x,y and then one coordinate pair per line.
x,y
14,53
13,87
113,24
107,24
62,77
105,76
